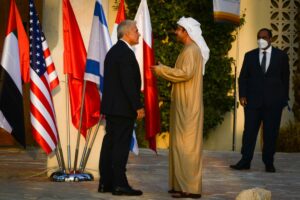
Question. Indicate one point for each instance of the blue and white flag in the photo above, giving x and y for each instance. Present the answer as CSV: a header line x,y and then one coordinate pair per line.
x,y
100,43
134,148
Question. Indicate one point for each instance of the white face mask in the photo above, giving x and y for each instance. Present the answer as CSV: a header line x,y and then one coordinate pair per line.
x,y
262,44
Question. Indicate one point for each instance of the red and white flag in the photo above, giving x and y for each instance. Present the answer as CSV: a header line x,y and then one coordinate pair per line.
x,y
145,56
74,65
120,17
43,78
13,69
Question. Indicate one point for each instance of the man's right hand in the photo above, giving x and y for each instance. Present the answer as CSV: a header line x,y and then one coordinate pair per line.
x,y
243,101
154,68
140,113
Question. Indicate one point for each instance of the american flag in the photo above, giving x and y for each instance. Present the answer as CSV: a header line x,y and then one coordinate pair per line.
x,y
43,78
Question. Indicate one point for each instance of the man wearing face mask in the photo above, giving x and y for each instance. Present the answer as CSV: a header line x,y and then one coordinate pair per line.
x,y
263,92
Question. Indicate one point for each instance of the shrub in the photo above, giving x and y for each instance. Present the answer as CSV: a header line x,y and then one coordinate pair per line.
x,y
218,79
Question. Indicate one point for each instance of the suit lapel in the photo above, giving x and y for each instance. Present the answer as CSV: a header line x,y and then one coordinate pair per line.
x,y
272,60
257,63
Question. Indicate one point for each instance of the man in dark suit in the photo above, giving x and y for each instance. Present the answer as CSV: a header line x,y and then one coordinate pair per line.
x,y
263,92
121,105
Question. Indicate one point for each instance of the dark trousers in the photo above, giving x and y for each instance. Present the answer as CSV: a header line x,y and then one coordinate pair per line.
x,y
115,151
270,117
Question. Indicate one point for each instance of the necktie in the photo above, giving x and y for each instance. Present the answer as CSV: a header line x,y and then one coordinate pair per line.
x,y
263,62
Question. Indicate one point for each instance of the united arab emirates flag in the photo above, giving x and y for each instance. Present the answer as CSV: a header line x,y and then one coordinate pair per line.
x,y
14,70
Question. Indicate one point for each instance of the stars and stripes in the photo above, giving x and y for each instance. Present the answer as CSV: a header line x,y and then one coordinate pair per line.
x,y
50,68
43,79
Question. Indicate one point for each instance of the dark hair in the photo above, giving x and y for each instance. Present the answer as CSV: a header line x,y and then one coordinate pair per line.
x,y
267,30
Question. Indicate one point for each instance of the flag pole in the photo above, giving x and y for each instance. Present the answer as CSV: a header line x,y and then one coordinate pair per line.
x,y
60,156
68,123
91,145
74,176
235,108
58,159
79,128
235,63
85,149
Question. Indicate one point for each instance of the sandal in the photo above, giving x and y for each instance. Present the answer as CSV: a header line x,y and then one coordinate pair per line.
x,y
186,195
172,191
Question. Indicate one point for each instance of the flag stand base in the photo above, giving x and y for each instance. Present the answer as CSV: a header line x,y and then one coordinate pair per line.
x,y
60,176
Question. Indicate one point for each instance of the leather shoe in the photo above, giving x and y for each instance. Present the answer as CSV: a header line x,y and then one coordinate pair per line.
x,y
102,188
270,168
240,166
128,191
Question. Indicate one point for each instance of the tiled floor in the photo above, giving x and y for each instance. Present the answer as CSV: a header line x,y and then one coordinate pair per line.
x,y
23,176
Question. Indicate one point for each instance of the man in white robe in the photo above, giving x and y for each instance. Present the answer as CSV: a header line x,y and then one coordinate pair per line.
x,y
186,114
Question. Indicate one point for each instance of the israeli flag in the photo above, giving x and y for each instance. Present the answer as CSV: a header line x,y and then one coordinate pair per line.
x,y
99,44
134,148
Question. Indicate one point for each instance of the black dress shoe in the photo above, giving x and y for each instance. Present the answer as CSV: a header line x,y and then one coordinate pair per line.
x,y
270,168
240,166
128,191
102,188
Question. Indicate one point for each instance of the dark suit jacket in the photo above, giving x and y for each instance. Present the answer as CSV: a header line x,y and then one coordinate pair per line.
x,y
122,82
270,89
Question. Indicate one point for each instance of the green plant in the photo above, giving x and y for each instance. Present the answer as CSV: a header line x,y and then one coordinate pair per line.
x,y
218,79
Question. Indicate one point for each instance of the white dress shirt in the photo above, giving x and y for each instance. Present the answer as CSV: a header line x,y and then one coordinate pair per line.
x,y
268,56
128,44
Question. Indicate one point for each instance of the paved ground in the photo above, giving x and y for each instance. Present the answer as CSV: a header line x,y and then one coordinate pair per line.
x,y
23,176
